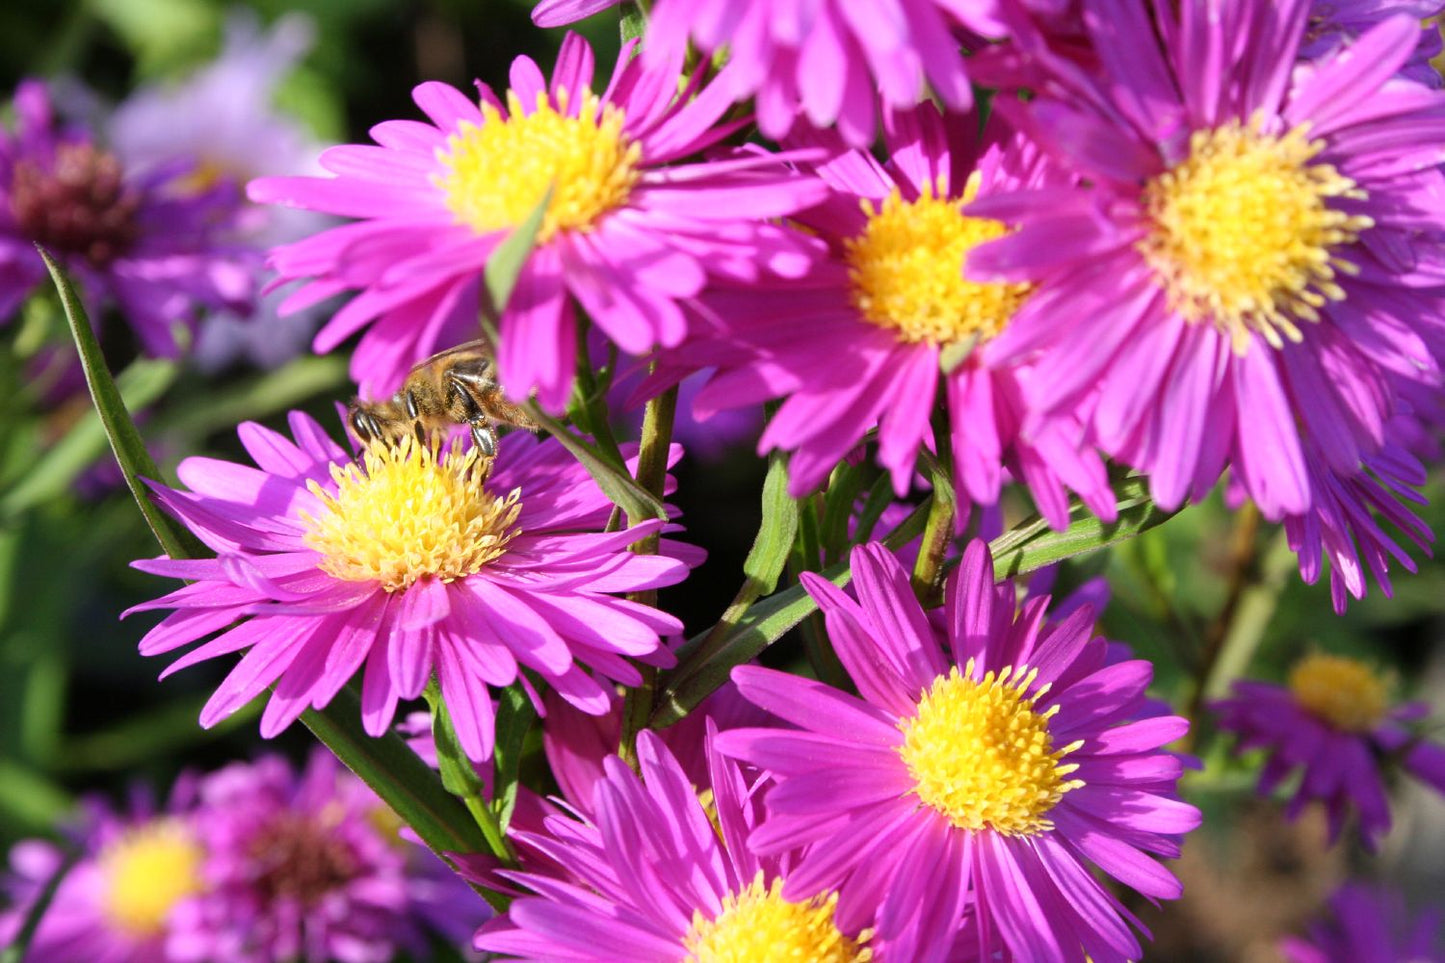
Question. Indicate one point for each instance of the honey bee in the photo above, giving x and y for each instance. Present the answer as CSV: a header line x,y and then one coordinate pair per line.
x,y
454,387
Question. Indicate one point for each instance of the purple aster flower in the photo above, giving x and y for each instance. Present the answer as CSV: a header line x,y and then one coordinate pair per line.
x,y
120,902
867,338
1335,24
1367,924
309,867
651,878
1255,260
132,239
416,563
964,793
223,118
628,233
1334,727
828,63
558,13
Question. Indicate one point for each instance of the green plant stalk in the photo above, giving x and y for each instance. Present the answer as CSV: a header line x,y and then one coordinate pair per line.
x,y
460,778
657,422
927,579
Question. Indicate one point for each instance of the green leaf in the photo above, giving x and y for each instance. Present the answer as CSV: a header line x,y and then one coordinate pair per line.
x,y
263,394
56,470
130,451
620,487
839,498
1033,545
706,661
15,952
506,263
28,800
515,714
634,22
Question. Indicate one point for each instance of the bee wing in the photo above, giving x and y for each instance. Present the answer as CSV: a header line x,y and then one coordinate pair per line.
x,y
478,346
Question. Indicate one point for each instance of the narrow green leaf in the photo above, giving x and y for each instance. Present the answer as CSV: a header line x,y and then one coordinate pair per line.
x,y
515,714
29,801
880,496
506,263
779,526
839,499
263,394
634,22
1033,545
620,487
705,661
56,470
15,952
130,451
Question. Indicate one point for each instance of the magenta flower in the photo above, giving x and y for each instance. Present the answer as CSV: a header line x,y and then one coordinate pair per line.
x,y
828,63
120,902
1334,726
651,880
628,232
981,770
1367,924
416,563
1335,25
134,240
867,338
1255,261
557,13
309,867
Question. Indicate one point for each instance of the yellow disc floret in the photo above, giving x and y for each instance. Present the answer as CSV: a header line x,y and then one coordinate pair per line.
x,y
757,925
147,871
906,269
1244,234
1341,691
413,513
494,175
981,755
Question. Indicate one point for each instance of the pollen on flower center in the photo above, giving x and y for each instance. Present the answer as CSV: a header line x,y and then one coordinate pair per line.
x,y
982,756
1343,692
147,871
412,513
758,924
906,269
1244,232
494,175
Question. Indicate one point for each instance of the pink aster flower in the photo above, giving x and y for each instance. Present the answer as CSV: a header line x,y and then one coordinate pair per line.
x,y
872,333
120,902
1256,258
415,563
129,239
650,878
1334,727
628,232
828,63
966,791
309,867
1368,924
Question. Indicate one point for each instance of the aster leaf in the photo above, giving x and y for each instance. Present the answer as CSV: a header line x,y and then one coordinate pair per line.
x,y
506,263
706,660
634,21
839,499
1032,544
140,384
515,714
620,487
125,440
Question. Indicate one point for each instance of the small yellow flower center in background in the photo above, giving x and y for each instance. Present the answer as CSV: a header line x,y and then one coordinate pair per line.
x,y
1343,692
147,871
980,755
907,269
758,926
496,174
413,513
1243,232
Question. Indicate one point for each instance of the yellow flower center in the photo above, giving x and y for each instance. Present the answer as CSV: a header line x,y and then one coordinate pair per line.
x,y
758,926
496,174
907,269
1243,232
1343,692
981,755
147,871
413,513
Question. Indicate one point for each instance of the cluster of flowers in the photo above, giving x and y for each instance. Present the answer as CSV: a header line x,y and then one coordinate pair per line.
x,y
253,863
1191,238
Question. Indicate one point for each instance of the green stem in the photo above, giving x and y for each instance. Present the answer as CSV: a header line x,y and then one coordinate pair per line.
x,y
15,952
927,577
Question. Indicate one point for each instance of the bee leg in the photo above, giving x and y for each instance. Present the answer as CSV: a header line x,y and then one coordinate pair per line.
x,y
421,438
364,425
408,400
484,436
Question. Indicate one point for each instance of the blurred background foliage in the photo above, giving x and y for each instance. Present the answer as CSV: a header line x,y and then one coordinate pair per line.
x,y
81,711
